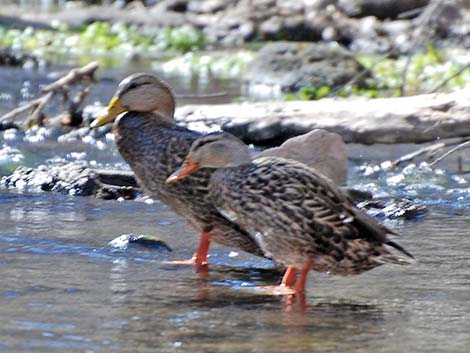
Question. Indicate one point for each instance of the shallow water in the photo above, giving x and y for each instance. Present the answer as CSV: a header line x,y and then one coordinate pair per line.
x,y
63,288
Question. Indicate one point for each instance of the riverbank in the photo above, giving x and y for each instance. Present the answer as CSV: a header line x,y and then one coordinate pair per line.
x,y
362,25
383,55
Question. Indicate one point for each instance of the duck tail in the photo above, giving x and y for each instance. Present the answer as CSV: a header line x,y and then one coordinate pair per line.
x,y
395,258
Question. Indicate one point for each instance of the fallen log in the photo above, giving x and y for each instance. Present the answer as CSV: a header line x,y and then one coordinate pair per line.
x,y
414,119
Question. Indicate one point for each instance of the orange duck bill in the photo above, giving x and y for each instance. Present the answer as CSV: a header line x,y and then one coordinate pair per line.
x,y
182,172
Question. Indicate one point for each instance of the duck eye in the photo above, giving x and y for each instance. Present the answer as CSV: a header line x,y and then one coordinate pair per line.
x,y
132,85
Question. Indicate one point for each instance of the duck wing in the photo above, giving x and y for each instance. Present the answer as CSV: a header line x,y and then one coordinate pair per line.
x,y
279,198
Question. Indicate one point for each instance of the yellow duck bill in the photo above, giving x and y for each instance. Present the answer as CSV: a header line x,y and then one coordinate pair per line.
x,y
114,109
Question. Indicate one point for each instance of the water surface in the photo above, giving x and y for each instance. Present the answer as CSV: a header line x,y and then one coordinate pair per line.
x,y
63,288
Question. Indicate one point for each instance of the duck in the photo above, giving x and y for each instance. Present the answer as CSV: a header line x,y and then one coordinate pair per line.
x,y
298,217
148,138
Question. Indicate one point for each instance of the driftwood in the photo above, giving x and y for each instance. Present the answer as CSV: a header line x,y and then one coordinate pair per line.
x,y
429,152
61,86
416,119
459,147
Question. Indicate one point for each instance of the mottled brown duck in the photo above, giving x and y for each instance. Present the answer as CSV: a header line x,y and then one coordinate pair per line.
x,y
298,217
153,145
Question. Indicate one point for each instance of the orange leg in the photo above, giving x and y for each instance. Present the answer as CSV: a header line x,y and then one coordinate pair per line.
x,y
200,256
285,288
289,277
299,286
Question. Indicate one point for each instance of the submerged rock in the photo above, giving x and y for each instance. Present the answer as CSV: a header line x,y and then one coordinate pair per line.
x,y
148,241
72,179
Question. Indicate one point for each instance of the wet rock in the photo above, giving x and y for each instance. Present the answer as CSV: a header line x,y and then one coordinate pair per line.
x,y
291,66
148,241
393,208
9,57
72,179
6,125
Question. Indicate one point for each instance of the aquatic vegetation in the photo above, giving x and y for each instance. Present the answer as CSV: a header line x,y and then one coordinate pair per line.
x,y
309,93
177,51
207,65
424,71
111,44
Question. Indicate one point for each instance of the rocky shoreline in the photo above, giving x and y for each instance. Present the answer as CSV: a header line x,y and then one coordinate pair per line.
x,y
362,25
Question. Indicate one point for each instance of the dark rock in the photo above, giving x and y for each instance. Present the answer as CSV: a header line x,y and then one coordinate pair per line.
x,y
10,58
440,18
72,179
292,66
393,208
5,125
380,8
358,196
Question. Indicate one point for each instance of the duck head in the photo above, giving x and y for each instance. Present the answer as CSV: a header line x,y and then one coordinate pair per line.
x,y
215,150
139,92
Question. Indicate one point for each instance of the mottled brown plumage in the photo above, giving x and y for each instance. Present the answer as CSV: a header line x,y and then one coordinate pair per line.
x,y
154,146
296,215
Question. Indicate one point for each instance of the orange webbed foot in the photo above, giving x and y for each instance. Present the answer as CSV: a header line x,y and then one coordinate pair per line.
x,y
192,261
200,256
274,290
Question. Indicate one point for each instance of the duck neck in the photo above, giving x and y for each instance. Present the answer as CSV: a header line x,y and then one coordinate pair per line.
x,y
238,158
238,164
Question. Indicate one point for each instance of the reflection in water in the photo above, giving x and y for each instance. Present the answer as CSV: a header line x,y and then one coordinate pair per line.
x,y
118,283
